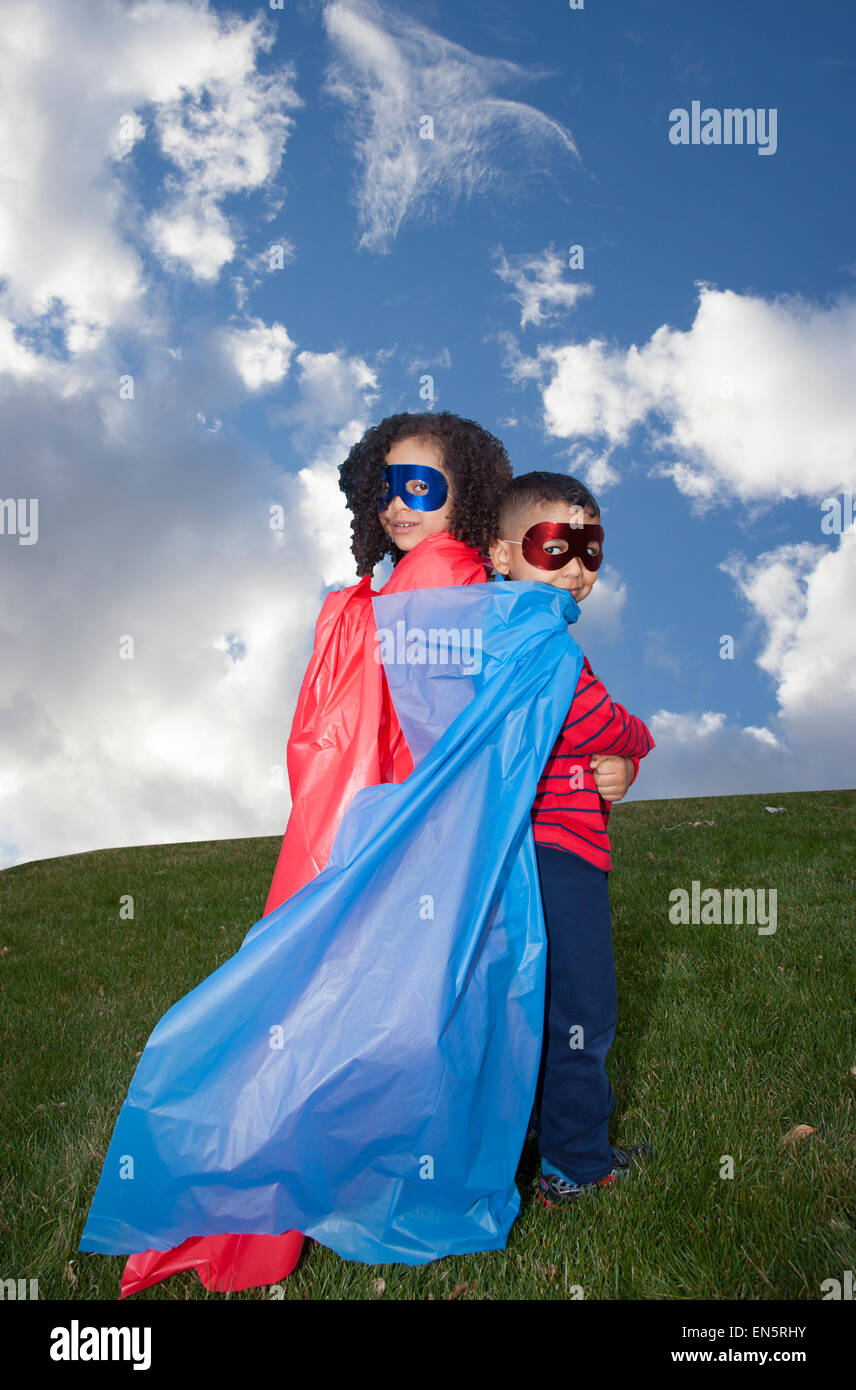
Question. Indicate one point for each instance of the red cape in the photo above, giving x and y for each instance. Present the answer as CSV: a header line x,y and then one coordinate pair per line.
x,y
345,736
345,733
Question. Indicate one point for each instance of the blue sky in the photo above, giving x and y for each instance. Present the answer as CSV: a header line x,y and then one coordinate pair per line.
x,y
697,370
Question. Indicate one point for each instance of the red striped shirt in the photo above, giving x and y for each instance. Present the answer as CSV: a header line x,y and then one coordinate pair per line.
x,y
567,812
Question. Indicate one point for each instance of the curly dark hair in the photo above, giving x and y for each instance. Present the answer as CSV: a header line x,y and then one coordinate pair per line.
x,y
477,463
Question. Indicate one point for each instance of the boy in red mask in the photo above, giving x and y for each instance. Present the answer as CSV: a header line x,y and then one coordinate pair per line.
x,y
550,533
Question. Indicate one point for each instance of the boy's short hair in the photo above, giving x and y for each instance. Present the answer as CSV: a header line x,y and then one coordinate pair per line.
x,y
528,489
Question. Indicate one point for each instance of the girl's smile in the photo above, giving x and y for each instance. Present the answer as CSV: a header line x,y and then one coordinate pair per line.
x,y
401,523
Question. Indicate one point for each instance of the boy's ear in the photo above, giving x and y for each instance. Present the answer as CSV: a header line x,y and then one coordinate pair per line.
x,y
500,556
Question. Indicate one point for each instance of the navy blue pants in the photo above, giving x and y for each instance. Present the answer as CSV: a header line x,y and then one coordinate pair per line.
x,y
574,1096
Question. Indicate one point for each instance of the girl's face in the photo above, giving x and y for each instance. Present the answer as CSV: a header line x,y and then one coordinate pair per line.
x,y
401,523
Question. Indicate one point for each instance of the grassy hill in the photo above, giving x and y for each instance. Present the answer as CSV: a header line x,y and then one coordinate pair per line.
x,y
727,1040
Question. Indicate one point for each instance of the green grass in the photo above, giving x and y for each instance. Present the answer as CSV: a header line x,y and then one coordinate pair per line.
x,y
726,1041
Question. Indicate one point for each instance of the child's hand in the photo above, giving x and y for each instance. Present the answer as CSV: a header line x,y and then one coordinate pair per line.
x,y
612,775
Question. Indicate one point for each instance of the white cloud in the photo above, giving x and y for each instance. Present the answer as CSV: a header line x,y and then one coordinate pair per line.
x,y
601,613
755,401
336,393
333,388
686,730
260,354
599,473
595,469
16,358
199,239
324,517
774,587
538,285
519,367
803,594
233,142
592,392
151,530
763,736
418,361
154,519
702,754
800,595
392,73
269,260
67,218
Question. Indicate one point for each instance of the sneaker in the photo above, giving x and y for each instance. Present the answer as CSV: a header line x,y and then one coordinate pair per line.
x,y
625,1159
556,1191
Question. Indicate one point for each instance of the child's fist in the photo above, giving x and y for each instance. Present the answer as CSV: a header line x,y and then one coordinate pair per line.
x,y
612,775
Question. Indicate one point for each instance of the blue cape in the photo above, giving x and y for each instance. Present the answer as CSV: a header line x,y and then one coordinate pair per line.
x,y
363,1068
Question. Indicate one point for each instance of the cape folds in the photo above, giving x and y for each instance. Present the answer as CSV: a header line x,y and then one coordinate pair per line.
x,y
344,736
363,1068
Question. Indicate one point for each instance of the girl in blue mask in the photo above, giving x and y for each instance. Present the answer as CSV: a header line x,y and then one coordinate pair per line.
x,y
423,492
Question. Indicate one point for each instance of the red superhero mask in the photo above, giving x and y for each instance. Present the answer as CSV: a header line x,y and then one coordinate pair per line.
x,y
566,543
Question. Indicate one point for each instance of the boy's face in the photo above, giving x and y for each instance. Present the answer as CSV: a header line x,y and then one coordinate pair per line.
x,y
401,523
574,577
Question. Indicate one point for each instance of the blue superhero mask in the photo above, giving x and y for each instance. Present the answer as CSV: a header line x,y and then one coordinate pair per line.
x,y
417,484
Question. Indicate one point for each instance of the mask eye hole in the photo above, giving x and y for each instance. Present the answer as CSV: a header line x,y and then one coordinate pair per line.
x,y
593,549
555,547
417,486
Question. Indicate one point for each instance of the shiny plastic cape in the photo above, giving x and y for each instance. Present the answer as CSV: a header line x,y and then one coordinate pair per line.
x,y
363,1068
344,736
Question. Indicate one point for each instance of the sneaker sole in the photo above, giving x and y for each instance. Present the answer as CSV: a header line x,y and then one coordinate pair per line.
x,y
611,1180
